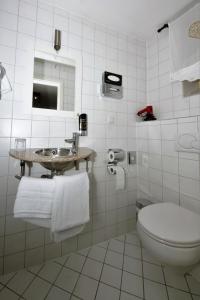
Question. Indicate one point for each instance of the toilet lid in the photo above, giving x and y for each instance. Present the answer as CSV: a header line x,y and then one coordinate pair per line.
x,y
171,223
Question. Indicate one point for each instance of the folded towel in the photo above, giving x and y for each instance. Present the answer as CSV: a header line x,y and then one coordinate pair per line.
x,y
34,198
61,203
70,208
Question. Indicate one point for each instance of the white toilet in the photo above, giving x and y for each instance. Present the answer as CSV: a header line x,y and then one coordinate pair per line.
x,y
171,233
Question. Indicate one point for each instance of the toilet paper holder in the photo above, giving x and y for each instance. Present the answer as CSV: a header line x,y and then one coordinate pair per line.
x,y
110,168
115,155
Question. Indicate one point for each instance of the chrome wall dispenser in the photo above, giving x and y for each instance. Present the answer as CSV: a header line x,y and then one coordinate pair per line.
x,y
114,156
112,85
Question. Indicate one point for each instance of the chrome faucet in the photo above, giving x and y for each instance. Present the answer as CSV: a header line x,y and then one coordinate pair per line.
x,y
74,141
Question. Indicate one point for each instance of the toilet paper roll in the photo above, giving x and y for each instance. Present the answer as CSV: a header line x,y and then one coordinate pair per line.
x,y
120,176
115,155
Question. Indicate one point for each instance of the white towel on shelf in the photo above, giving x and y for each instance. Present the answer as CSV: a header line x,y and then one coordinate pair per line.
x,y
61,203
70,208
34,198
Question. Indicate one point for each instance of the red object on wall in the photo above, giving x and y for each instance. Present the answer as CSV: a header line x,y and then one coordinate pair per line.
x,y
146,113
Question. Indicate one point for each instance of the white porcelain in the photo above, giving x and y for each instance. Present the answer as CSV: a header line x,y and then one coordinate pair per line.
x,y
171,233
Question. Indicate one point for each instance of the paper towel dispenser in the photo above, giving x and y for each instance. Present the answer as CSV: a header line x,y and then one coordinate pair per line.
x,y
112,85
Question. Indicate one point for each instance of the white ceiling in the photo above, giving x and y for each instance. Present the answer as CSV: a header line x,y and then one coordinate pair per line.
x,y
130,16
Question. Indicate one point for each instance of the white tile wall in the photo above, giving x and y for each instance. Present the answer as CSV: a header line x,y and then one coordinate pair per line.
x,y
167,98
26,26
174,175
163,173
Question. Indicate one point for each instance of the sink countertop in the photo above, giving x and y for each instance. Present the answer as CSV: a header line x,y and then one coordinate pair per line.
x,y
29,155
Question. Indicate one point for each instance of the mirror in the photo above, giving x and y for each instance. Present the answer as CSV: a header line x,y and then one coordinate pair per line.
x,y
56,84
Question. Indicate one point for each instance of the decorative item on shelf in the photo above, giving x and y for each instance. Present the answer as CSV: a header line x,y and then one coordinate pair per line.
x,y
57,40
5,85
146,113
112,85
83,124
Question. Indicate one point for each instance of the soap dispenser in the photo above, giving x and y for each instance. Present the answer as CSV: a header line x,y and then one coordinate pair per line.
x,y
83,124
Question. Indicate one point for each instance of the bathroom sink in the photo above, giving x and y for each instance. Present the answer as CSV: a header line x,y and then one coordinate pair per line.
x,y
55,159
56,152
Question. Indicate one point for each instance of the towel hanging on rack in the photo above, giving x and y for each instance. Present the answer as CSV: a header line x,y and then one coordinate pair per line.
x,y
61,203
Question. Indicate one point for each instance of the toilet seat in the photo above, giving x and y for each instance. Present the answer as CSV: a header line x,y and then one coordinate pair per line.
x,y
170,224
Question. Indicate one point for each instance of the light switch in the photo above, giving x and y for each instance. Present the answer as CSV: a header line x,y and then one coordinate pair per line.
x,y
131,157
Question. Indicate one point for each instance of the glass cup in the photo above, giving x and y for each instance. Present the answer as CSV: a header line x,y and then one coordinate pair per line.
x,y
20,144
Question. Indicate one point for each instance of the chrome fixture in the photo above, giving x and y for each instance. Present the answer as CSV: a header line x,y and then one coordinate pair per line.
x,y
54,152
74,141
57,40
112,85
5,85
194,30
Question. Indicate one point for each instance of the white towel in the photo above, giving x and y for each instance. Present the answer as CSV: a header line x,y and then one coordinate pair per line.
x,y
70,208
34,198
61,203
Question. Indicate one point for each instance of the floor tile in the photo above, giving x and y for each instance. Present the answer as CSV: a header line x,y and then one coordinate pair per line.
x,y
153,272
114,259
175,280
20,281
97,253
178,295
132,284
84,252
106,292
92,268
154,291
61,260
120,238
132,239
194,285
149,258
75,262
132,265
111,276
37,290
35,269
58,294
116,246
5,278
7,294
86,288
103,244
195,297
101,276
50,271
67,279
125,296
133,251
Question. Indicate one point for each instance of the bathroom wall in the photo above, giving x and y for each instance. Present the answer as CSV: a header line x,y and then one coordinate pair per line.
x,y
163,173
26,26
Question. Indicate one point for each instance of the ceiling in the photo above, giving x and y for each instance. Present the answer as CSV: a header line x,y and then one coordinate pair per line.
x,y
142,17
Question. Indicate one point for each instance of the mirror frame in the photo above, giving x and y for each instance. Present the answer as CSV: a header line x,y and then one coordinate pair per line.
x,y
71,59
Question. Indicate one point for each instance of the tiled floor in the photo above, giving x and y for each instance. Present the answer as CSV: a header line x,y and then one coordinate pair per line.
x,y
113,270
